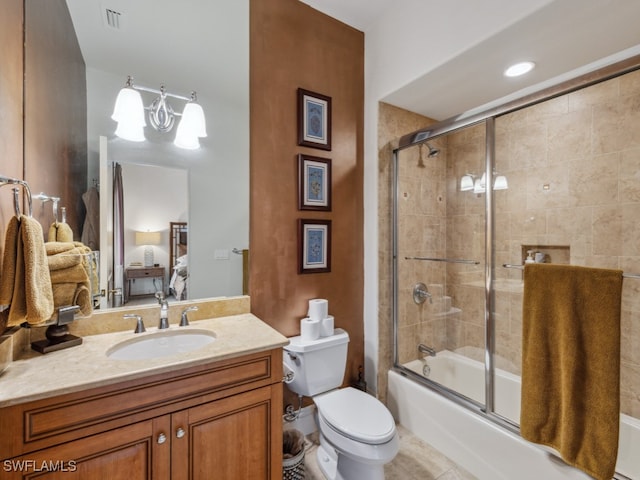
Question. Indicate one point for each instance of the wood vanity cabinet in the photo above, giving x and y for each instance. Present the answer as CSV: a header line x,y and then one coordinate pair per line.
x,y
216,421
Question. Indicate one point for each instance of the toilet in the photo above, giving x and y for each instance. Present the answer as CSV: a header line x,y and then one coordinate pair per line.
x,y
357,433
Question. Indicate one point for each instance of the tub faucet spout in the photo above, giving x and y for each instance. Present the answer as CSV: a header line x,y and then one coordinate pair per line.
x,y
422,348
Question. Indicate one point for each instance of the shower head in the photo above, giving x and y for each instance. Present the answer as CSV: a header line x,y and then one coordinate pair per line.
x,y
433,152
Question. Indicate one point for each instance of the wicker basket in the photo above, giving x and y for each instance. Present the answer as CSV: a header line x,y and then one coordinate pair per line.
x,y
293,468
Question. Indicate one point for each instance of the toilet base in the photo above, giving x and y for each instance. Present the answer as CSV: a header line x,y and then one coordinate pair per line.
x,y
327,462
335,466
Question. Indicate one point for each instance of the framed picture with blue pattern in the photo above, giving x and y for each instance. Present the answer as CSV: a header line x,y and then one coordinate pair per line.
x,y
314,246
314,183
314,120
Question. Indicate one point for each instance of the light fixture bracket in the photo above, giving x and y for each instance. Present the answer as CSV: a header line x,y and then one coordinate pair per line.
x,y
161,114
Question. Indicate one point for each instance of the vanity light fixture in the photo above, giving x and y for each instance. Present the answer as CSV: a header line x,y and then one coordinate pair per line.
x,y
129,113
518,69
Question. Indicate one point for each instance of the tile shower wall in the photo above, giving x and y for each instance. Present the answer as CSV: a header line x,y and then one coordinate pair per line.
x,y
573,167
393,122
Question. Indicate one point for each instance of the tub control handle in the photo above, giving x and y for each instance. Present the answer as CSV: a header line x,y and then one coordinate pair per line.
x,y
420,293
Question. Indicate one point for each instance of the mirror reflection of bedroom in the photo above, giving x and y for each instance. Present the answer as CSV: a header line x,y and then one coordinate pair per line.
x,y
155,202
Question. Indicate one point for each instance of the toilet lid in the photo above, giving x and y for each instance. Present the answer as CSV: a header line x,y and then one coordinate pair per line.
x,y
356,415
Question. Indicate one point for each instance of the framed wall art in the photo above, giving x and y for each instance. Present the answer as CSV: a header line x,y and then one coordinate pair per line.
x,y
314,183
314,120
314,246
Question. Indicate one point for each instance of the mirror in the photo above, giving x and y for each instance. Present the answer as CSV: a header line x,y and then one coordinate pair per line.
x,y
193,45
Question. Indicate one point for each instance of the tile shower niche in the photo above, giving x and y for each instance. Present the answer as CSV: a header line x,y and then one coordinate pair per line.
x,y
550,253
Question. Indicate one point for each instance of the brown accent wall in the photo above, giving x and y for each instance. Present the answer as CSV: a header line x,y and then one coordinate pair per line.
x,y
10,103
55,127
44,142
294,46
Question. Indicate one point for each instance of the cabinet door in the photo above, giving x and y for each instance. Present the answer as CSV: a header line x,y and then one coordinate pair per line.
x,y
238,437
127,453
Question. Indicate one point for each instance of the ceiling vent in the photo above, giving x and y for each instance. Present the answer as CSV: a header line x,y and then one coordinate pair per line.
x,y
112,18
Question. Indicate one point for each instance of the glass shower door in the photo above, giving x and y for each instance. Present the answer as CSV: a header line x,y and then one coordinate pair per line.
x,y
440,260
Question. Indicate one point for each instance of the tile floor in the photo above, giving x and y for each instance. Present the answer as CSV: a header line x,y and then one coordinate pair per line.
x,y
415,461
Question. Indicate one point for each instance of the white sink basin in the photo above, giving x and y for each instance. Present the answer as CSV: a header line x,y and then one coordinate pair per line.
x,y
161,344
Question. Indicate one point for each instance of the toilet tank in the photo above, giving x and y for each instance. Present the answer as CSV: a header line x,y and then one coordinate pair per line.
x,y
318,365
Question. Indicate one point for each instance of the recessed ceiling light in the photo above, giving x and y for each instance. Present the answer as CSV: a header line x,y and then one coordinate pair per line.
x,y
518,69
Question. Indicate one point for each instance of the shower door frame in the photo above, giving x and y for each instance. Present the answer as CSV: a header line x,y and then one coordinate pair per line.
x,y
438,130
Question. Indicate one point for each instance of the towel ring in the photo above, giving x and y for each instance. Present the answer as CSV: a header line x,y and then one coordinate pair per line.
x,y
16,197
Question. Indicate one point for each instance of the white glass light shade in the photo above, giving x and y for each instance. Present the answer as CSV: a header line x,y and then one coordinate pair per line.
x,y
128,131
480,184
129,113
500,183
466,183
191,127
129,107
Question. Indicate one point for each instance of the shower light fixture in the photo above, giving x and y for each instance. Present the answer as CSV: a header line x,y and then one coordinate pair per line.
x,y
469,181
129,113
518,69
480,185
466,182
500,183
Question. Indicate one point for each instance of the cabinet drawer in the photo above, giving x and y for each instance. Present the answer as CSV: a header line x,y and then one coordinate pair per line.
x,y
145,272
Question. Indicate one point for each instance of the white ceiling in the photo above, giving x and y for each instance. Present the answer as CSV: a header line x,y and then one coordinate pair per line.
x,y
187,45
561,36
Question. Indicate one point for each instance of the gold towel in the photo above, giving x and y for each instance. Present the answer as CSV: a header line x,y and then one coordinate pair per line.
x,y
9,260
571,363
31,296
71,272
60,232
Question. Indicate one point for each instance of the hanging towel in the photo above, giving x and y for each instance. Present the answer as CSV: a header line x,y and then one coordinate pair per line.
x,y
571,363
31,297
91,226
9,260
60,232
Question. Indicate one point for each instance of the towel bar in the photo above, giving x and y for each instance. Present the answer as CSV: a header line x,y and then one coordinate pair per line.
x,y
447,260
521,267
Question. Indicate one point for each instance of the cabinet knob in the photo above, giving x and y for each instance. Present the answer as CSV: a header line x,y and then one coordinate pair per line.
x,y
162,438
180,433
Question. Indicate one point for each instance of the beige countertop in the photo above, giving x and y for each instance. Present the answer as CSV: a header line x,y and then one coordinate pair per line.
x,y
34,376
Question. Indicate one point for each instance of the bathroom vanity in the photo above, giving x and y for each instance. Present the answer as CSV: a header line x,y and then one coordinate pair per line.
x,y
211,413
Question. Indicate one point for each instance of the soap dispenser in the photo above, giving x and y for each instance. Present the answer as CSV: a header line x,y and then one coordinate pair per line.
x,y
529,258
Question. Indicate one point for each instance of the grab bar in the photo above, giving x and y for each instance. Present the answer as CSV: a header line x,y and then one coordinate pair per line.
x,y
521,267
448,260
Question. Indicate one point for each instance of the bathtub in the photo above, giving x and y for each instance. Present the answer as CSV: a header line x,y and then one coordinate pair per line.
x,y
485,449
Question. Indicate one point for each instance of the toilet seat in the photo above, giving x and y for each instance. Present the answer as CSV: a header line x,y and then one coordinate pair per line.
x,y
356,415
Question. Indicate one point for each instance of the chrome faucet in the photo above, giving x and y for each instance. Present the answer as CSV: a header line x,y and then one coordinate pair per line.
x,y
164,315
422,348
184,321
139,323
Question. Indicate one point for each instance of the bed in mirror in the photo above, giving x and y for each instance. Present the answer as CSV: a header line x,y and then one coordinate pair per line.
x,y
178,259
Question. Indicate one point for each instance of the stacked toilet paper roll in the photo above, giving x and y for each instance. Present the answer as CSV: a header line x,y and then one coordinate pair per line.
x,y
318,322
